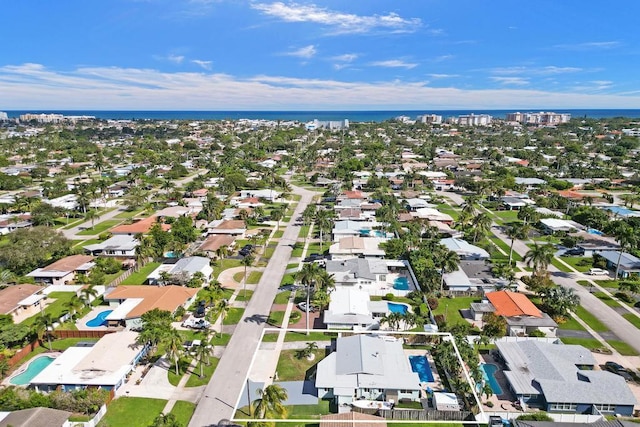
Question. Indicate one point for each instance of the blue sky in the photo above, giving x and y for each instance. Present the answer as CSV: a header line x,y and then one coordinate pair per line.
x,y
319,55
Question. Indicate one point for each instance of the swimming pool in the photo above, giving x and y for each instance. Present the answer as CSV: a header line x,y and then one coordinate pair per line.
x,y
171,254
594,231
372,233
622,211
488,372
401,284
34,368
420,365
99,320
397,308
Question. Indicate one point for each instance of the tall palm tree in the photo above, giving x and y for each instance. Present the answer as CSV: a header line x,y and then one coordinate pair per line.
x,y
271,402
87,292
246,262
324,221
277,214
626,236
43,326
448,262
222,309
308,276
481,224
92,215
173,342
539,256
74,304
203,352
516,231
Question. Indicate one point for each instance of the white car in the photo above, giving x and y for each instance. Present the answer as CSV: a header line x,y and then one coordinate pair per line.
x,y
303,307
597,272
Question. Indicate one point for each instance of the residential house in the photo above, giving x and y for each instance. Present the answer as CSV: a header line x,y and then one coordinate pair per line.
x,y
521,315
367,367
63,271
36,417
267,194
352,309
214,242
593,244
561,378
553,225
358,272
20,300
628,264
432,214
138,227
464,249
103,365
121,246
131,302
182,270
355,246
230,227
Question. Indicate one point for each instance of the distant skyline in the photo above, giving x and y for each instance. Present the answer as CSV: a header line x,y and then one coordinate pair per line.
x,y
319,55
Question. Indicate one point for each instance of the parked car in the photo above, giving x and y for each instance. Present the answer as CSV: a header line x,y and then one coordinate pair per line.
x,y
573,252
200,309
303,307
597,272
246,250
618,369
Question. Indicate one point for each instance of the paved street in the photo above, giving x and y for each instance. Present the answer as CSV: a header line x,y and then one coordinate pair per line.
x,y
607,315
219,398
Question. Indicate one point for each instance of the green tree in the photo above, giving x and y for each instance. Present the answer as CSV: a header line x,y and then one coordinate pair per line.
x,y
246,262
558,301
516,231
308,276
44,327
173,342
166,420
539,256
494,326
270,403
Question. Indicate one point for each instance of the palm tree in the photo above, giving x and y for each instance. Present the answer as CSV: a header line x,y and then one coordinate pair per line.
x,y
246,261
270,402
222,309
481,225
539,256
87,292
74,304
92,215
307,351
324,220
516,231
222,251
308,275
448,262
44,325
527,214
203,352
173,342
7,277
277,214
626,237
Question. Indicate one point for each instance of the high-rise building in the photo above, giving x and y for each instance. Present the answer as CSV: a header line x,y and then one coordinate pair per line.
x,y
430,118
3,116
541,118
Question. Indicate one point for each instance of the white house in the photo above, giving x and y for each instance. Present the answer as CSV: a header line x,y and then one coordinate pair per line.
x,y
354,246
464,249
368,367
63,271
184,269
352,309
121,245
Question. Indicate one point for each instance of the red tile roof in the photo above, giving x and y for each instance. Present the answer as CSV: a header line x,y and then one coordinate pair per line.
x,y
511,304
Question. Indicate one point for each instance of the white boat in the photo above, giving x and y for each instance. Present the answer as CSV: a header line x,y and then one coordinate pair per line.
x,y
372,404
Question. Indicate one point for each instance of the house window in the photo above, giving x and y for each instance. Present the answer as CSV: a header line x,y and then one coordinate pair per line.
x,y
563,406
383,277
606,407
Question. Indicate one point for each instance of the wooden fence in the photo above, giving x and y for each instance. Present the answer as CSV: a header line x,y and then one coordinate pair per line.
x,y
64,333
22,353
418,414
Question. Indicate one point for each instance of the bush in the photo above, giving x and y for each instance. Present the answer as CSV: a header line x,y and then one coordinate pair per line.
x,y
489,404
535,416
104,236
625,297
433,303
389,297
537,333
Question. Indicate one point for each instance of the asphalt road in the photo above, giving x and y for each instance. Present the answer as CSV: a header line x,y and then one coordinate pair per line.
x,y
219,398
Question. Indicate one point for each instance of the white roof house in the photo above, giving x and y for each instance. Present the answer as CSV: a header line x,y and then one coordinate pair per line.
x,y
105,364
354,246
458,281
367,367
186,267
554,224
352,309
121,245
432,214
464,249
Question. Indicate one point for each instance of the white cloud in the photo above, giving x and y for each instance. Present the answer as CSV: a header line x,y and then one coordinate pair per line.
x,y
347,57
341,22
517,81
204,64
35,87
394,63
176,59
443,76
443,58
547,70
304,52
588,45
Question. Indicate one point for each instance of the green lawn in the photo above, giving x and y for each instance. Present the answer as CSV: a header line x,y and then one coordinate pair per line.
x,y
506,216
277,317
571,324
278,234
505,247
633,319
254,277
623,348
293,265
607,299
309,411
223,264
447,209
304,231
300,336
241,296
450,308
560,266
234,316
87,242
282,297
56,308
590,343
183,365
129,214
207,370
140,276
288,279
297,250
613,284
292,368
590,320
132,412
220,340
183,411
579,263
101,227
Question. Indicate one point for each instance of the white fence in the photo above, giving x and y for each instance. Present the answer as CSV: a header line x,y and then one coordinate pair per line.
x,y
92,422
549,340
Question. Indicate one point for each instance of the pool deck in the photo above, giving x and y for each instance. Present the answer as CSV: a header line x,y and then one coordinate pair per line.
x,y
436,385
81,324
503,402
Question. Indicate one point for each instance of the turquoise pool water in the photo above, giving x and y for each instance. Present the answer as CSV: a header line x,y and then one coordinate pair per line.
x,y
489,371
99,320
35,367
594,231
622,211
420,365
372,233
397,308
171,254
401,284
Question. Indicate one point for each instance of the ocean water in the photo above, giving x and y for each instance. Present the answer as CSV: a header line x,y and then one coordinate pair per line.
x,y
305,116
